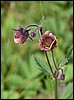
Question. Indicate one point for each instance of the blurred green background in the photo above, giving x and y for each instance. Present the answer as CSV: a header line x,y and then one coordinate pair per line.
x,y
20,76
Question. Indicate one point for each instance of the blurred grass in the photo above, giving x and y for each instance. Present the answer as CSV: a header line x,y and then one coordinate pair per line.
x,y
19,72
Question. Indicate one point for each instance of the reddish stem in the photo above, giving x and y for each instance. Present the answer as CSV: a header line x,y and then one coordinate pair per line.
x,y
49,63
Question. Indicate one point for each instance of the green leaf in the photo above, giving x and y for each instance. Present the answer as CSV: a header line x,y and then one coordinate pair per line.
x,y
28,94
42,20
66,59
42,67
69,69
67,92
10,95
14,81
33,84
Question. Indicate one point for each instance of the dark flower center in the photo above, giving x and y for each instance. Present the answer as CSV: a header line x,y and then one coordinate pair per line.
x,y
47,42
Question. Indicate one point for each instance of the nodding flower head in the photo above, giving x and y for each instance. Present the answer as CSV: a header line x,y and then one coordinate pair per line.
x,y
32,34
62,77
47,41
20,35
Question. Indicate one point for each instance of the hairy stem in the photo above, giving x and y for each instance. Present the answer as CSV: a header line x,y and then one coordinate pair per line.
x,y
49,63
56,77
55,88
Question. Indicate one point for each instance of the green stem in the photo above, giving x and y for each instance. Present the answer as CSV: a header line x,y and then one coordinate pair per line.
x,y
41,8
52,72
56,77
56,88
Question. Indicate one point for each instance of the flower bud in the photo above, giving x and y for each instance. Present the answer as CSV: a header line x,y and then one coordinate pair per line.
x,y
32,34
62,77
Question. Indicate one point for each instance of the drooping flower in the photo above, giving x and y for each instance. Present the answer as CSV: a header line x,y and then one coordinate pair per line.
x,y
47,41
62,77
32,34
20,35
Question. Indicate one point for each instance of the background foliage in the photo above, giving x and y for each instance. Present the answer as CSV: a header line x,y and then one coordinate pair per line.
x,y
20,76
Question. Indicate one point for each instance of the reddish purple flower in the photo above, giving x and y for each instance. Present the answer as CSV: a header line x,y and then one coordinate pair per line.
x,y
32,34
20,35
47,41
62,77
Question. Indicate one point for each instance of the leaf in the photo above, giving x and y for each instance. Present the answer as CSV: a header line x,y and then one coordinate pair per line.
x,y
42,67
9,94
69,69
33,84
28,94
67,92
42,20
66,59
14,81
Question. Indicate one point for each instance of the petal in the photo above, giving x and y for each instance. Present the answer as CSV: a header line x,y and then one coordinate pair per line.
x,y
18,40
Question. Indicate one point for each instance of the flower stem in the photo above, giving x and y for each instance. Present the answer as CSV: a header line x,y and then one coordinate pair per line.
x,y
56,77
52,73
53,59
31,25
49,63
37,28
56,88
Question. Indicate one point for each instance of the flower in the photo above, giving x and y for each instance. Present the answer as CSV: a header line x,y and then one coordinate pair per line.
x,y
62,77
32,34
47,41
20,35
